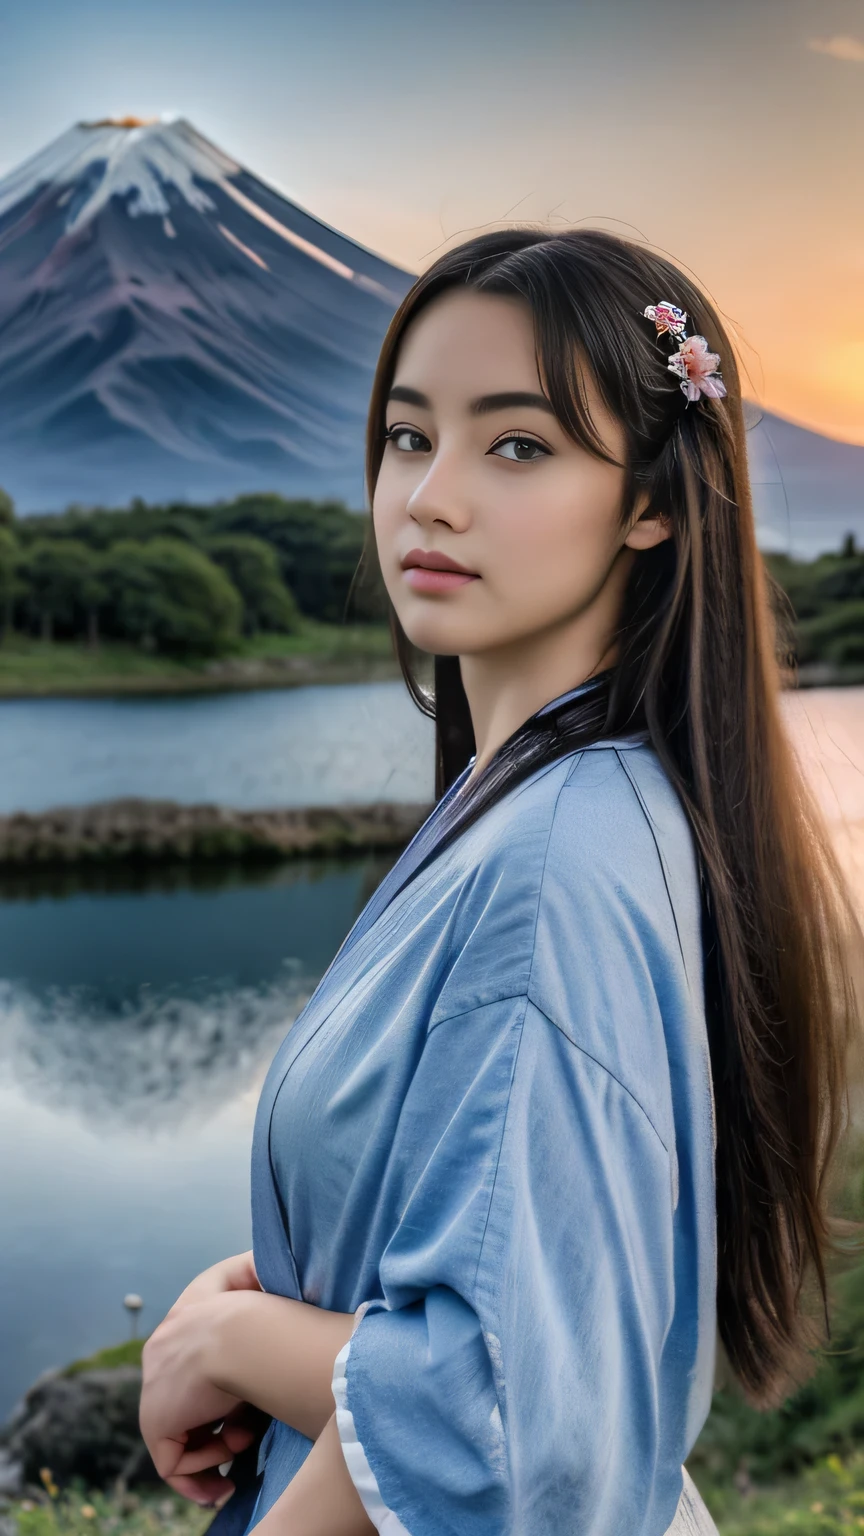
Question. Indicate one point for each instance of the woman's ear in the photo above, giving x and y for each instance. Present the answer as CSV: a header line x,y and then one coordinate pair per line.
x,y
647,528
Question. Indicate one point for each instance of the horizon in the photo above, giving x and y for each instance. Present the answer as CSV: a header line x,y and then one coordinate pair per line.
x,y
726,136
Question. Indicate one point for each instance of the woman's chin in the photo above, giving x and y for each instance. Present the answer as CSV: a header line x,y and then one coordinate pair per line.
x,y
433,637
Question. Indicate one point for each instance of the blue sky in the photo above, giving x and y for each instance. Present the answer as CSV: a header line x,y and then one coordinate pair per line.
x,y
728,132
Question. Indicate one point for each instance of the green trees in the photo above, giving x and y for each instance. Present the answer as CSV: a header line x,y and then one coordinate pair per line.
x,y
180,577
318,545
9,555
310,567
59,580
827,598
9,561
253,568
168,596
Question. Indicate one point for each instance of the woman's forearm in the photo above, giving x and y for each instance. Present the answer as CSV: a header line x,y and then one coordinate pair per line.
x,y
321,1499
278,1355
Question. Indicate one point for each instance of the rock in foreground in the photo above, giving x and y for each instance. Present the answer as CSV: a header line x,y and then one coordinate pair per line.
x,y
83,1425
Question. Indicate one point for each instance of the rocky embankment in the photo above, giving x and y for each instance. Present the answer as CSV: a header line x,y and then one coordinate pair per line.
x,y
153,830
79,1421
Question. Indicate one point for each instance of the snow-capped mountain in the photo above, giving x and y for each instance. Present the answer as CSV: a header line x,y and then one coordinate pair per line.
x,y
172,327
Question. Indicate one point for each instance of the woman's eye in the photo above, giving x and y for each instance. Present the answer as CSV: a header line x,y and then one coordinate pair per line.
x,y
518,444
417,443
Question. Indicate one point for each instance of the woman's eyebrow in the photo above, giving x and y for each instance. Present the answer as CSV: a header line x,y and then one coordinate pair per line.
x,y
505,401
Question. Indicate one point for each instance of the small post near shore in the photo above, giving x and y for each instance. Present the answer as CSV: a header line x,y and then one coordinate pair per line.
x,y
133,1305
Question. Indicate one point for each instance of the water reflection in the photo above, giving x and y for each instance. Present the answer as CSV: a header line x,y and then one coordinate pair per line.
x,y
138,1015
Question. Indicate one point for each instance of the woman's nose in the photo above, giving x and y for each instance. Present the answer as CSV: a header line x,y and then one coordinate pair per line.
x,y
440,497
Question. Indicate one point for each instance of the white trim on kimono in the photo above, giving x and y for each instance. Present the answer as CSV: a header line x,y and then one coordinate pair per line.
x,y
384,1520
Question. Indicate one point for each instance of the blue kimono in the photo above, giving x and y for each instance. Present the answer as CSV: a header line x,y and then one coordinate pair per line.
x,y
490,1135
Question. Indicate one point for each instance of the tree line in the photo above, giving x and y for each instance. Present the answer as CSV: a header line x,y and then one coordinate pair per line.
x,y
185,580
188,579
826,604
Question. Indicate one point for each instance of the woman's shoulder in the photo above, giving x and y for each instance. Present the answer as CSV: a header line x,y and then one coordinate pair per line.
x,y
591,842
600,808
617,809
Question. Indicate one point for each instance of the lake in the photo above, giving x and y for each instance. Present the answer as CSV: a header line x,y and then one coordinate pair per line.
x,y
289,747
137,1021
139,1013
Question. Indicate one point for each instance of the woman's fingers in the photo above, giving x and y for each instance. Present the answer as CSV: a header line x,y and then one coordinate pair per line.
x,y
207,1488
201,1458
230,1437
238,1437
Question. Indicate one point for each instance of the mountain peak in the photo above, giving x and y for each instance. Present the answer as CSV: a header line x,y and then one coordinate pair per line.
x,y
121,122
173,327
142,161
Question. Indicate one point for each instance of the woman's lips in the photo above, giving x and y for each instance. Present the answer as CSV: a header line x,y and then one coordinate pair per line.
x,y
424,580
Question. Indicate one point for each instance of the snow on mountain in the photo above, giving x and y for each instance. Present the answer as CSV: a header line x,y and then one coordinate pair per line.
x,y
172,327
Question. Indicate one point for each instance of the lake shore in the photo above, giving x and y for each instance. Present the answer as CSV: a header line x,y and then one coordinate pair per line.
x,y
152,831
316,653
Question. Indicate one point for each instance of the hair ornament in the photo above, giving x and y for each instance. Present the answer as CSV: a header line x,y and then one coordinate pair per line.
x,y
694,365
667,318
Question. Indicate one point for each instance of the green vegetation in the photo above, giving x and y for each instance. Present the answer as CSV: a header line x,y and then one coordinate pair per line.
x,y
170,597
93,599
77,1512
827,1499
182,583
253,568
313,652
256,592
826,608
801,1466
127,1353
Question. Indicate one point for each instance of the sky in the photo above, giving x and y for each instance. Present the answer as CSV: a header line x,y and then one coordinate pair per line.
x,y
728,133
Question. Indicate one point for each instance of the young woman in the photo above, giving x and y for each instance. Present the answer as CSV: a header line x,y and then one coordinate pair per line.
x,y
492,1241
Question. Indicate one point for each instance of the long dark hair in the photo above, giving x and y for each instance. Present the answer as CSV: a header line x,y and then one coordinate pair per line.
x,y
697,668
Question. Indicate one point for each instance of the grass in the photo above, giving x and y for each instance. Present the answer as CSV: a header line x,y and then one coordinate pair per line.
x,y
78,1512
316,639
823,1500
128,1353
316,653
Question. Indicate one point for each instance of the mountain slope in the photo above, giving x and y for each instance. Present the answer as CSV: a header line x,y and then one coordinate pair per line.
x,y
172,327
808,489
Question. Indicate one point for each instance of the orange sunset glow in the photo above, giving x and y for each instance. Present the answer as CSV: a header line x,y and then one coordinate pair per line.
x,y
729,134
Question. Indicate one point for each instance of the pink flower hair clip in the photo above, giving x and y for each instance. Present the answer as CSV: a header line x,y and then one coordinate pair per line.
x,y
694,365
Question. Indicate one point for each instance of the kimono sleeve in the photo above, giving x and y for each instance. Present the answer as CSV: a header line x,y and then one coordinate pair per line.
x,y
509,1378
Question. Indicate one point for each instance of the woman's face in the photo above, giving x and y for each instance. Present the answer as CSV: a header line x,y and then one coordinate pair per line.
x,y
477,468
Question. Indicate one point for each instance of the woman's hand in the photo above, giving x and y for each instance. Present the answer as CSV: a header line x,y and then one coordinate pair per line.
x,y
223,1356
234,1274
180,1403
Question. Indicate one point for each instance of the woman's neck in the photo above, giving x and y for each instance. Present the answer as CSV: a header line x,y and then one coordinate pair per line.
x,y
506,687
